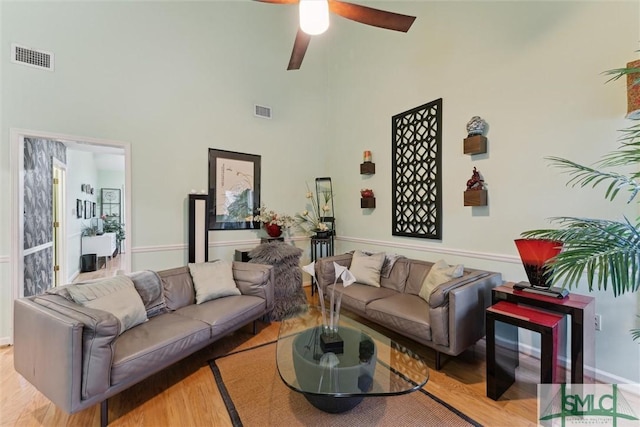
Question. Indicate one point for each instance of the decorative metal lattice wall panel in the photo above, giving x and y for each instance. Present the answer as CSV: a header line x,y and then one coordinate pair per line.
x,y
417,183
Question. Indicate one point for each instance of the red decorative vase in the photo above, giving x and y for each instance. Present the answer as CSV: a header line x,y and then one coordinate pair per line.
x,y
534,254
273,230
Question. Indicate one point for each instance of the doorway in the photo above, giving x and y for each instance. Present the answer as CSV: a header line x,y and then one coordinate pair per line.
x,y
19,214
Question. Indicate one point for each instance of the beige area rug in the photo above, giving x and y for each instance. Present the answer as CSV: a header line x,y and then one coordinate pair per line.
x,y
256,396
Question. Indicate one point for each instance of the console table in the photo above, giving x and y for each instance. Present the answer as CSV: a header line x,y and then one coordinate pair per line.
x,y
103,245
582,310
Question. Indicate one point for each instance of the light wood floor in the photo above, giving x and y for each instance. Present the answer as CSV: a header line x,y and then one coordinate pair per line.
x,y
108,268
185,394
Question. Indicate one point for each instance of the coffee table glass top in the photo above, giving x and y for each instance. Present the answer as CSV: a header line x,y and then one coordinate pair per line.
x,y
369,363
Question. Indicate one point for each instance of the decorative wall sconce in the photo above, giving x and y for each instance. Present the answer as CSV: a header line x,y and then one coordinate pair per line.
x,y
475,195
367,167
367,199
475,142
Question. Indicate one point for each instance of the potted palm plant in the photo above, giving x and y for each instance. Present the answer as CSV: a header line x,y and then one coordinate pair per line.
x,y
606,251
113,225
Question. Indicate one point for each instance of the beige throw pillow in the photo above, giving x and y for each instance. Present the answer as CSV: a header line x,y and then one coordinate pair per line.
x,y
440,273
116,295
366,268
213,280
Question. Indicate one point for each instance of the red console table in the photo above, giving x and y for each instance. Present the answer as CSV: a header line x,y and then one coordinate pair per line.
x,y
582,310
502,357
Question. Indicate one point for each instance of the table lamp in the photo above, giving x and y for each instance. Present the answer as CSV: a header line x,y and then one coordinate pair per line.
x,y
535,253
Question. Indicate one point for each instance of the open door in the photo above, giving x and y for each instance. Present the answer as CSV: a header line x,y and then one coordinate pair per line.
x,y
58,224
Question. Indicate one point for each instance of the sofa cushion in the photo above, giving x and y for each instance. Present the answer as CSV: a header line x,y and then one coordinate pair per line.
x,y
357,295
418,270
213,280
225,314
366,268
178,287
403,313
116,295
440,273
149,286
397,276
156,344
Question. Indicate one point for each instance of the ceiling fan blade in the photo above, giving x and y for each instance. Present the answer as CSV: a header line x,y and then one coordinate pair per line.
x,y
299,49
370,16
279,1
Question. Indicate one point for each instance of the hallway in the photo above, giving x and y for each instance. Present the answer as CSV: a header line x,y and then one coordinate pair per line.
x,y
106,268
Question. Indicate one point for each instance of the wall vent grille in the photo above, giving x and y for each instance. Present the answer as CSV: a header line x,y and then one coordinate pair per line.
x,y
262,111
31,57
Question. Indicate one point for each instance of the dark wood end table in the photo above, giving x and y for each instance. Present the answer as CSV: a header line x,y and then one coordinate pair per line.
x,y
582,310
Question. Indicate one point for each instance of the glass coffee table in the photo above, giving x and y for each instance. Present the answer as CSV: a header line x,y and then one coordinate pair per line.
x,y
361,362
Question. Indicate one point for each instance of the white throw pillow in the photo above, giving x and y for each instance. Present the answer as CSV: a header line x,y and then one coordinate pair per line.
x,y
366,268
440,273
116,295
213,280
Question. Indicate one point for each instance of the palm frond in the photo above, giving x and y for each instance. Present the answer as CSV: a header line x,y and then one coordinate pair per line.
x,y
606,252
630,134
584,175
616,73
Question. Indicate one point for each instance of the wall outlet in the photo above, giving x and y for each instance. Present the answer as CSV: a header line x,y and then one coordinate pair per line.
x,y
598,322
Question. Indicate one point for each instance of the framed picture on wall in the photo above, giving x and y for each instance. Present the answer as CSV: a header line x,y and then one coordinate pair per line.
x,y
78,208
234,190
87,209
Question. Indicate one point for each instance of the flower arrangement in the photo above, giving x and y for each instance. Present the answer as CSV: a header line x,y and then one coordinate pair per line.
x,y
311,221
269,217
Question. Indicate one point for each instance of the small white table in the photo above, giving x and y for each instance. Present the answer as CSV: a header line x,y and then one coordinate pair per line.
x,y
103,245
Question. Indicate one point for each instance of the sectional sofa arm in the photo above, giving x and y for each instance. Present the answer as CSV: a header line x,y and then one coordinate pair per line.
x,y
325,273
467,305
48,352
92,352
256,280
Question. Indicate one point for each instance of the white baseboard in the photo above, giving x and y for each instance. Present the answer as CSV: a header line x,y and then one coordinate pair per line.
x,y
5,341
589,371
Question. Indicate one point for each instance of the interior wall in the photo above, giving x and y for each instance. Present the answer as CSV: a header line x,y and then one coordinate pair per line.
x,y
174,79
533,71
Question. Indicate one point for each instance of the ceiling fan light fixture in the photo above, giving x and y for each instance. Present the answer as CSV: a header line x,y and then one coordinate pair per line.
x,y
314,16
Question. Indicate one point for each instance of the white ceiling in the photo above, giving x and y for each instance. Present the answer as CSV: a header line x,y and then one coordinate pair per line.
x,y
107,157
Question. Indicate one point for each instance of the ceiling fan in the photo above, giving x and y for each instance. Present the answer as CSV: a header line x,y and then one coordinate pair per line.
x,y
314,19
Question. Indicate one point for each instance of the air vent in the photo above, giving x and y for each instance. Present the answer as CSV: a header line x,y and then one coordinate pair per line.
x,y
262,111
31,57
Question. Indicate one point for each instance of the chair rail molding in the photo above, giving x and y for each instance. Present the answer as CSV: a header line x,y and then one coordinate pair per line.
x,y
216,244
512,259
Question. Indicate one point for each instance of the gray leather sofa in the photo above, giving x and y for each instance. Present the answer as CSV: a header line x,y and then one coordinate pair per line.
x,y
450,322
75,357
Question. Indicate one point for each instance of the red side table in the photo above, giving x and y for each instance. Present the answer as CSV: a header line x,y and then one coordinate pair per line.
x,y
502,356
582,310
